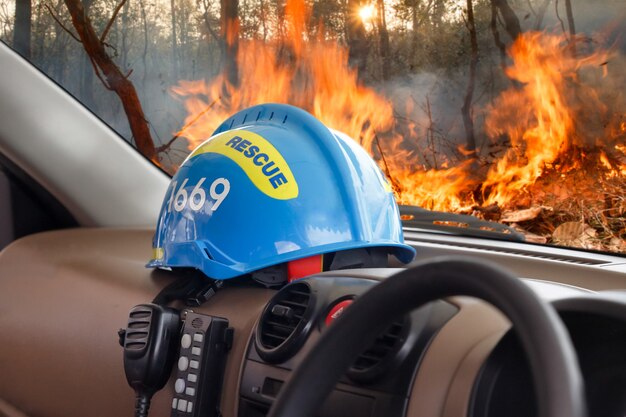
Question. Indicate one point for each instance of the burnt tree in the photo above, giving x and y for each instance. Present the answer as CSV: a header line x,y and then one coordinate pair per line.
x,y
570,24
540,14
383,38
229,18
493,26
415,22
356,37
466,110
111,75
570,18
511,22
174,39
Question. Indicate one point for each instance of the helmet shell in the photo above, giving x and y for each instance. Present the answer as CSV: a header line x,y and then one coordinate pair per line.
x,y
273,184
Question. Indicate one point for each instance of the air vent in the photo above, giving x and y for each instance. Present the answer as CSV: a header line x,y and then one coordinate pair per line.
x,y
381,356
285,323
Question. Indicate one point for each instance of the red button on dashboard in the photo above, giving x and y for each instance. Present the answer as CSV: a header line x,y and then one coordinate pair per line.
x,y
337,311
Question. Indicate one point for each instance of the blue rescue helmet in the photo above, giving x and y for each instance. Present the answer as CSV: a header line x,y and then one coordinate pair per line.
x,y
273,185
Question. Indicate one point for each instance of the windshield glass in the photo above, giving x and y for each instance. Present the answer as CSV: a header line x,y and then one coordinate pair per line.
x,y
507,110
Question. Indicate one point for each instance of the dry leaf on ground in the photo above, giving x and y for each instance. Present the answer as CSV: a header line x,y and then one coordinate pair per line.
x,y
523,215
529,236
576,234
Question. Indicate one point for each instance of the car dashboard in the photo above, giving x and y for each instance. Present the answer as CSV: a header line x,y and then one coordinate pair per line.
x,y
65,294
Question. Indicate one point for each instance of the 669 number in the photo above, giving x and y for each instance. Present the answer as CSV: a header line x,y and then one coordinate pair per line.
x,y
197,198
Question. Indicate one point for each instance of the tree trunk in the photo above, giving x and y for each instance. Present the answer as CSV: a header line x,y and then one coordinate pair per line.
x,y
493,25
436,16
183,37
144,54
125,17
38,34
174,39
511,22
541,13
570,24
356,38
383,35
115,79
468,123
21,32
570,17
414,34
230,35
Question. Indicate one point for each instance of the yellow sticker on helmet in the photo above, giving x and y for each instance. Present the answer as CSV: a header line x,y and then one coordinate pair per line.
x,y
157,253
260,160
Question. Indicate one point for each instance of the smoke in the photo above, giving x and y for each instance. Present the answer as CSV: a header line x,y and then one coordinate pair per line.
x,y
603,20
427,107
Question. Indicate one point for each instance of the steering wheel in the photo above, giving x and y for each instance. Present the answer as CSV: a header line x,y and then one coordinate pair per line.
x,y
557,379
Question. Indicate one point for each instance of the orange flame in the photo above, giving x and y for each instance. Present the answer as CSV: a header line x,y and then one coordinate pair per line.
x,y
322,82
319,81
538,116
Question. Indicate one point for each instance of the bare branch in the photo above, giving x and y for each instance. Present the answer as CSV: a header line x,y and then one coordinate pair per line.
x,y
496,35
112,47
530,6
541,14
396,186
56,19
207,23
110,24
165,147
556,10
430,137
511,22
570,24
122,87
97,71
466,110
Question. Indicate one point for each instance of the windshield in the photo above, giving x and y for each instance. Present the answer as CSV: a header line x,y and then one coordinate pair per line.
x,y
507,110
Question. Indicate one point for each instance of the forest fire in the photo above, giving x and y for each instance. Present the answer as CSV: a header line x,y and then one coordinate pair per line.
x,y
552,126
318,80
547,119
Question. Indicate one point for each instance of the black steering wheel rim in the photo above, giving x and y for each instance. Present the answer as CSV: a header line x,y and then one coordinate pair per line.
x,y
554,366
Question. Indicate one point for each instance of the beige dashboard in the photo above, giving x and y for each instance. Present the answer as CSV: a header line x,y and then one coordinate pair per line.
x,y
65,294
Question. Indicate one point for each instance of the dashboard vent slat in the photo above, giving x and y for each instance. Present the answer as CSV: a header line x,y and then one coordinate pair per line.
x,y
280,325
294,304
374,361
284,323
